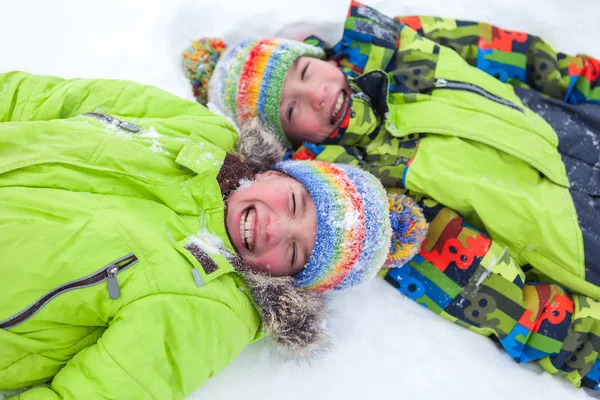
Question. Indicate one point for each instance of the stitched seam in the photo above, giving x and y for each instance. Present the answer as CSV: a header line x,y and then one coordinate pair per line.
x,y
175,294
196,296
80,340
124,370
121,94
27,101
49,351
520,155
578,233
149,272
46,160
99,150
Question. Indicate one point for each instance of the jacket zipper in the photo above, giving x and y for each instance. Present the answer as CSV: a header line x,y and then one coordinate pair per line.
x,y
128,126
108,274
454,85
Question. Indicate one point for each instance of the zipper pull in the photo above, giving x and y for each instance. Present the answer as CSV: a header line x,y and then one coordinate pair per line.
x,y
441,83
113,285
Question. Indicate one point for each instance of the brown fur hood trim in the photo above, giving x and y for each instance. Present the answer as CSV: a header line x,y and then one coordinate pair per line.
x,y
294,318
259,146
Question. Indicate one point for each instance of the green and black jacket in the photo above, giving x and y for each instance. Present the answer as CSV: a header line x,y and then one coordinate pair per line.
x,y
498,136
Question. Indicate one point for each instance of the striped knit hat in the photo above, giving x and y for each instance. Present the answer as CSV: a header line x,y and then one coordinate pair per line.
x,y
354,233
246,80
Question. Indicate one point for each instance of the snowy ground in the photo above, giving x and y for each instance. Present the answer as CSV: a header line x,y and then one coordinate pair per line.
x,y
386,346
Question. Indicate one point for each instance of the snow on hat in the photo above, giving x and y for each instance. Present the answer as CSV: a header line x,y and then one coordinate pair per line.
x,y
246,80
409,229
354,233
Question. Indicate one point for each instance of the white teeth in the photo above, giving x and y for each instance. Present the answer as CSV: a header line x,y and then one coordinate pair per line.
x,y
338,104
247,228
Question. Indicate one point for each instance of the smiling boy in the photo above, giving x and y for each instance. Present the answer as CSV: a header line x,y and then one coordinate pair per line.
x,y
314,100
275,214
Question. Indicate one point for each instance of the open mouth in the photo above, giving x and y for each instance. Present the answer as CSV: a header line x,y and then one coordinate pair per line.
x,y
247,228
339,108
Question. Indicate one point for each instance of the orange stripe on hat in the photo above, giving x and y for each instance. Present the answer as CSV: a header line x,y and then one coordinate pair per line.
x,y
251,79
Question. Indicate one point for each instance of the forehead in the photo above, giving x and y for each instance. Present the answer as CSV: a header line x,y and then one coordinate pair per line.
x,y
295,63
282,181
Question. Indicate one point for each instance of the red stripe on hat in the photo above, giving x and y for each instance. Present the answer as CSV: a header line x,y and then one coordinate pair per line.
x,y
251,79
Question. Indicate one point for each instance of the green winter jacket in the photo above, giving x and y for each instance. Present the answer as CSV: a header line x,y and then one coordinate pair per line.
x,y
99,291
425,121
468,147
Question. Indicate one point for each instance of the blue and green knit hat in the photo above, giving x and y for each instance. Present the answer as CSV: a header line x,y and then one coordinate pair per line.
x,y
354,233
245,81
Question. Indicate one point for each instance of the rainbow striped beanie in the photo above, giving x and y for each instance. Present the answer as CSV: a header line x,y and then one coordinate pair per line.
x,y
353,225
245,81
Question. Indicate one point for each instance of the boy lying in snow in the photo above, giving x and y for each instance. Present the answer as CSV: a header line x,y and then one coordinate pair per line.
x,y
447,112
132,264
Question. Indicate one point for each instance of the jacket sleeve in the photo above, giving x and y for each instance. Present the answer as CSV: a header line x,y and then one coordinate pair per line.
x,y
160,347
474,282
26,97
515,57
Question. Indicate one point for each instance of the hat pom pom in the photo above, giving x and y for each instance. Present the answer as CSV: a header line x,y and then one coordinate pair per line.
x,y
199,61
409,230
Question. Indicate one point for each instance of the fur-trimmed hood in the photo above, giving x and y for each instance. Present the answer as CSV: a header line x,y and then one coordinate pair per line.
x,y
259,147
293,318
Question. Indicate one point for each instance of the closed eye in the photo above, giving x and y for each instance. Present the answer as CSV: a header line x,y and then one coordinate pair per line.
x,y
294,253
290,111
304,71
294,246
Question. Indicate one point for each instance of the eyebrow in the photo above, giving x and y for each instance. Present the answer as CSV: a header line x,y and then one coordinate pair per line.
x,y
295,63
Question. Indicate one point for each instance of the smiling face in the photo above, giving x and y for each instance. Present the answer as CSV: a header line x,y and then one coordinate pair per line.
x,y
273,223
313,100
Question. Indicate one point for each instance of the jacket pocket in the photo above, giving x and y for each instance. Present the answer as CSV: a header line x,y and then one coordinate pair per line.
x,y
108,273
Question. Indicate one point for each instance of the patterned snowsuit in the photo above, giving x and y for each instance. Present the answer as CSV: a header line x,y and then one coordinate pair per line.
x,y
480,125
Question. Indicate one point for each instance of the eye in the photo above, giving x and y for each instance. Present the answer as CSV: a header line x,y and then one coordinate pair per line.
x,y
294,252
293,203
304,71
290,111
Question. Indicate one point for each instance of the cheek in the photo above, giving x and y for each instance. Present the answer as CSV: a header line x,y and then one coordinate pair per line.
x,y
309,121
272,262
274,198
335,74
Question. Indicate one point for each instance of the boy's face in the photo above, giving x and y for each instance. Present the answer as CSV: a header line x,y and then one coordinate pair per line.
x,y
273,223
313,100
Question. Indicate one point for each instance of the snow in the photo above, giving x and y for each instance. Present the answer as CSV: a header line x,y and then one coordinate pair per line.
x,y
244,184
386,346
208,242
150,133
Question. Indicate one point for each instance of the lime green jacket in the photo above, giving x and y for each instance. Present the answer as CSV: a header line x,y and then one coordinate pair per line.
x,y
115,281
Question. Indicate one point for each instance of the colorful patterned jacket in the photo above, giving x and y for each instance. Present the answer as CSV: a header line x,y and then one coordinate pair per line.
x,y
432,116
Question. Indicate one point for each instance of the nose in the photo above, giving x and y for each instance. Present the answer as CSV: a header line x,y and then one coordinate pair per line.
x,y
278,229
275,230
316,97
